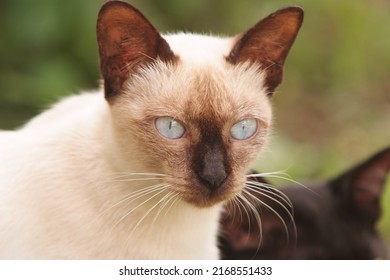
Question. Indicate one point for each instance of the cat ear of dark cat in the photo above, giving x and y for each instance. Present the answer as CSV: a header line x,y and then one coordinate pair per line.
x,y
268,43
360,188
126,40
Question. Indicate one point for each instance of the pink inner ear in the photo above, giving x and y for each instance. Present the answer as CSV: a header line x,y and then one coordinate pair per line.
x,y
127,40
268,43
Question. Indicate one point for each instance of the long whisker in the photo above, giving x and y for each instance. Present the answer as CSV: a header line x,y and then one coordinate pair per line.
x,y
282,176
276,213
139,205
148,212
171,196
119,174
134,177
127,177
145,174
261,192
257,217
235,207
231,207
130,179
270,189
264,174
242,205
176,198
134,195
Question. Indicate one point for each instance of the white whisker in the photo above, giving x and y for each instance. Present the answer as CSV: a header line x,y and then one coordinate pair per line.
x,y
138,206
240,204
274,197
257,217
140,174
234,206
176,198
261,192
277,214
270,189
135,195
171,196
148,212
283,176
265,174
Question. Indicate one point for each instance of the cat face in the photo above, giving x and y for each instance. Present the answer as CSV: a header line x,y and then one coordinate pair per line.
x,y
333,220
194,108
203,139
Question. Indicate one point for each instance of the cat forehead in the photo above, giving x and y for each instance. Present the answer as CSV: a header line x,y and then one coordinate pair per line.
x,y
198,48
200,83
201,89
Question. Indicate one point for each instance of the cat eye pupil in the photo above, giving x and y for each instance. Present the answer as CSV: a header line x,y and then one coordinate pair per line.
x,y
244,129
169,127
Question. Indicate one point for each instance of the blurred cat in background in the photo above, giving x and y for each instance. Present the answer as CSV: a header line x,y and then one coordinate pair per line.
x,y
335,219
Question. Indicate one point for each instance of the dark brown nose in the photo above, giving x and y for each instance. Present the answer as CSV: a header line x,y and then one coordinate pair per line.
x,y
212,178
212,172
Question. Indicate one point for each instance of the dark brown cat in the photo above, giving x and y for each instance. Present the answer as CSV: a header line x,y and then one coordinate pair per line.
x,y
333,220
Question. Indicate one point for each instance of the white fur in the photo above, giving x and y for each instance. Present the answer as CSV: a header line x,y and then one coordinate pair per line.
x,y
56,186
199,49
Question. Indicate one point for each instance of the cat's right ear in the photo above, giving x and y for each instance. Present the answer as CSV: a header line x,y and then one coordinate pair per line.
x,y
126,40
268,43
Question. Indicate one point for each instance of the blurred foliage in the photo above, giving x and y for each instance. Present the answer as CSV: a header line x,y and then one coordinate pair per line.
x,y
332,110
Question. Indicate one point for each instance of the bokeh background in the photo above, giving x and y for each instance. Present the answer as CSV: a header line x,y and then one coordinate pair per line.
x,y
332,111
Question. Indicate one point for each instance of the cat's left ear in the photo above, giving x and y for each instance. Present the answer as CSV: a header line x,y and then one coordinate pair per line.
x,y
268,43
361,188
127,40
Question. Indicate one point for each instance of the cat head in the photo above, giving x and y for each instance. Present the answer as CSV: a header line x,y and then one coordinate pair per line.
x,y
195,108
334,219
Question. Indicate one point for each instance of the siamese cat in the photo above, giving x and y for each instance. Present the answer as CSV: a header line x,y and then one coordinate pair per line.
x,y
335,219
141,168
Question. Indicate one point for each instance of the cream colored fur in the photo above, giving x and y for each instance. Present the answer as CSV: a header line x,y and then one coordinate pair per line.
x,y
60,175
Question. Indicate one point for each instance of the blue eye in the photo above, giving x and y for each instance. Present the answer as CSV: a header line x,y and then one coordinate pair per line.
x,y
244,129
169,127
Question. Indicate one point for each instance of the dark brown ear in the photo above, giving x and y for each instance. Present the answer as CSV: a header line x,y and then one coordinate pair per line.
x,y
268,43
361,188
126,41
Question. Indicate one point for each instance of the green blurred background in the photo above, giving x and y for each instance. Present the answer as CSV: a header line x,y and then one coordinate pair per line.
x,y
332,110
